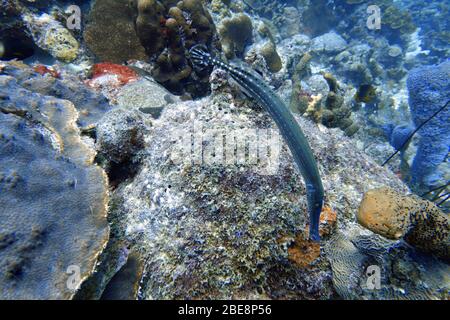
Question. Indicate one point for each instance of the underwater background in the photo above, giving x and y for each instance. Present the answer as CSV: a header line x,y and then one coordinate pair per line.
x,y
140,157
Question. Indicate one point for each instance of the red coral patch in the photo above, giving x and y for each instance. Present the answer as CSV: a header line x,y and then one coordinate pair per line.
x,y
123,73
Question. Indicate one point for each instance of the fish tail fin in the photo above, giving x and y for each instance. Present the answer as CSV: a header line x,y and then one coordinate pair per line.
x,y
315,204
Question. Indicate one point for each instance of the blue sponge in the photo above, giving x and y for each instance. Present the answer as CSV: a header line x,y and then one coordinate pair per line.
x,y
429,90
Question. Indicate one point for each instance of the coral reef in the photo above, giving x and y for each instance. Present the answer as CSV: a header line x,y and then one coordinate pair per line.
x,y
284,19
129,171
429,90
435,36
396,216
159,31
53,198
397,19
213,230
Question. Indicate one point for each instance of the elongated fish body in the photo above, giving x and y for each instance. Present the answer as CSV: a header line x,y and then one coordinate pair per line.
x,y
288,126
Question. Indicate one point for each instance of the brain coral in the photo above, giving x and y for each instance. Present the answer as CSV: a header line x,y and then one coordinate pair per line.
x,y
53,199
110,32
429,90
166,30
404,273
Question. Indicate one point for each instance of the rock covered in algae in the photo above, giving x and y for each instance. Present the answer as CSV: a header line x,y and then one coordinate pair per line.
x,y
394,216
52,36
329,43
120,134
53,198
147,96
217,230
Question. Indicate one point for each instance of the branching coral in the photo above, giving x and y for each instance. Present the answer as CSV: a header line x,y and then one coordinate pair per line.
x,y
167,29
236,33
161,31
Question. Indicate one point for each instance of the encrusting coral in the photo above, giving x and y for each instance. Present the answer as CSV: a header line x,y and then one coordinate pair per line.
x,y
397,216
53,198
90,105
